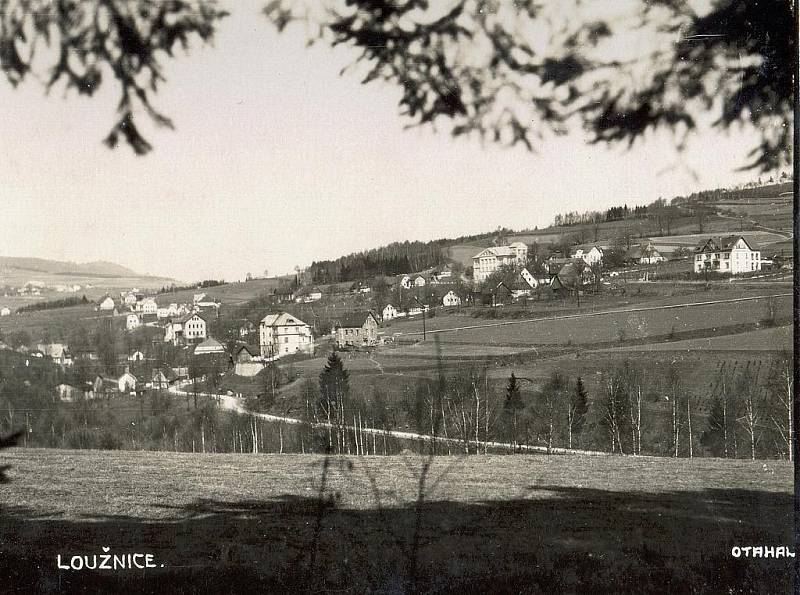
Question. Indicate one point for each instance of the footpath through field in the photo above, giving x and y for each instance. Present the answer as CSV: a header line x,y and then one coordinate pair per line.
x,y
232,403
592,314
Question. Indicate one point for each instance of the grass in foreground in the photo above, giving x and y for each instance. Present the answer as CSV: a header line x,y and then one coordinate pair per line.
x,y
238,523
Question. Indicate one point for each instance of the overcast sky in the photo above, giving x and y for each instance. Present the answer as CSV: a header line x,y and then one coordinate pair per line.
x,y
277,160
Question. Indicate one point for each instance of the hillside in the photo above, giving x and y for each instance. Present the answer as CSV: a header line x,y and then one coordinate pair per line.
x,y
17,271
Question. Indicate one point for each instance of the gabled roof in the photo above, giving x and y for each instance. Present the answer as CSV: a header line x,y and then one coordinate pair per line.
x,y
501,251
254,350
721,244
168,373
210,343
354,320
189,316
282,319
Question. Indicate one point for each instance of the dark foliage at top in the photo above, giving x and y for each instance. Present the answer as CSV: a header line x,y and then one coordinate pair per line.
x,y
509,72
479,63
125,38
53,304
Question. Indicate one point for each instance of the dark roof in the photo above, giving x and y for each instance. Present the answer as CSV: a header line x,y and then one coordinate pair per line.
x,y
721,244
251,349
354,320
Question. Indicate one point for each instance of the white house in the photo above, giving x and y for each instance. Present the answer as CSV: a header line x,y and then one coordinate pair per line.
x,y
106,304
132,322
58,352
419,281
5,311
405,282
127,382
198,297
389,312
451,299
136,356
590,256
130,299
731,254
489,260
283,334
650,255
190,327
148,306
163,313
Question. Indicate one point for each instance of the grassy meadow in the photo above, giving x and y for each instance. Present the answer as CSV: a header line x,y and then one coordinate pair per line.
x,y
525,524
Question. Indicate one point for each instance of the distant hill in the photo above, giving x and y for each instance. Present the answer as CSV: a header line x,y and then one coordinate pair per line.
x,y
17,271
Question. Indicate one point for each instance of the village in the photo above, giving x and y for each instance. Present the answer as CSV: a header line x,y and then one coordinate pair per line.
x,y
163,337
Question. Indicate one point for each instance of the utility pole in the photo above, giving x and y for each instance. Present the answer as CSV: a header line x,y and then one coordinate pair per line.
x,y
422,307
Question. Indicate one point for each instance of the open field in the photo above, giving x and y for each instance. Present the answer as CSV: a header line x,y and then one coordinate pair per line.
x,y
499,524
57,321
616,325
771,339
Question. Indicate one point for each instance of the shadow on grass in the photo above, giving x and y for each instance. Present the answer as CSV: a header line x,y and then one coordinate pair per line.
x,y
554,540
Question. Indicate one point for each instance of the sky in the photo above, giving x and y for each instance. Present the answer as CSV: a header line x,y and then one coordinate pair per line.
x,y
276,160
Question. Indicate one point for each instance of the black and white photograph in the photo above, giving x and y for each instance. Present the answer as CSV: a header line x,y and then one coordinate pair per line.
x,y
398,296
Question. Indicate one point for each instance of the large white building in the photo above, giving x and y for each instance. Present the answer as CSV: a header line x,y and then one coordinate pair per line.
x,y
190,328
731,254
488,261
283,334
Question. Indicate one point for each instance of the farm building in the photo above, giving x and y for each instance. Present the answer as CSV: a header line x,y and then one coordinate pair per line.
x,y
283,334
646,254
308,295
358,329
389,312
489,260
731,254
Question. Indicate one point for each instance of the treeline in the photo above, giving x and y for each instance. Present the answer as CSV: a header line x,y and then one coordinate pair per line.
x,y
199,285
594,217
54,304
724,194
394,259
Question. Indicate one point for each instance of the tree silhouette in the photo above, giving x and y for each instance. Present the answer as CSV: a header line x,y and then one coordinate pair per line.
x,y
8,442
508,72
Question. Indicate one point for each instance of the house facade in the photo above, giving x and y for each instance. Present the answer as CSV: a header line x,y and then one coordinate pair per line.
x,y
283,334
389,312
450,299
132,322
732,254
148,306
189,328
490,260
359,329
106,304
590,256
